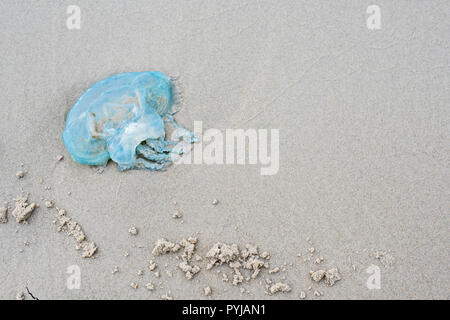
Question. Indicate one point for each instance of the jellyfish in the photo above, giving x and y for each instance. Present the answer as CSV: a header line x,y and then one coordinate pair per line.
x,y
123,118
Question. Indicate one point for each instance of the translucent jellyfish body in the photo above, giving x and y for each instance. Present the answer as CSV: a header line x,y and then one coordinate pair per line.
x,y
123,118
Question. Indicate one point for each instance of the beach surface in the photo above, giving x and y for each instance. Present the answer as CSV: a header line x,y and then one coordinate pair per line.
x,y
364,155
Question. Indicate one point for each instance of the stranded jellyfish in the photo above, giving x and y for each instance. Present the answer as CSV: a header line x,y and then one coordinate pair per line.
x,y
123,118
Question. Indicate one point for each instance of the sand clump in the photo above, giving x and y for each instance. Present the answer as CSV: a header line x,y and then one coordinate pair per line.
x,y
20,174
49,204
247,260
23,209
73,229
318,275
189,269
177,215
207,291
274,270
163,246
133,231
150,286
20,296
134,285
237,260
279,287
167,296
4,213
385,258
222,253
330,277
317,293
152,265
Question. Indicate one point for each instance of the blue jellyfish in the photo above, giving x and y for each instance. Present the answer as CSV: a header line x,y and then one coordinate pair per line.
x,y
123,118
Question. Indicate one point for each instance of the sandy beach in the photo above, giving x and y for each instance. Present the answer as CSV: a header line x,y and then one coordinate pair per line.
x,y
363,115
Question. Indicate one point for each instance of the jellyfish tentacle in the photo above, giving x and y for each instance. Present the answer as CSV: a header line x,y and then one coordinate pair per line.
x,y
152,155
161,145
143,164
